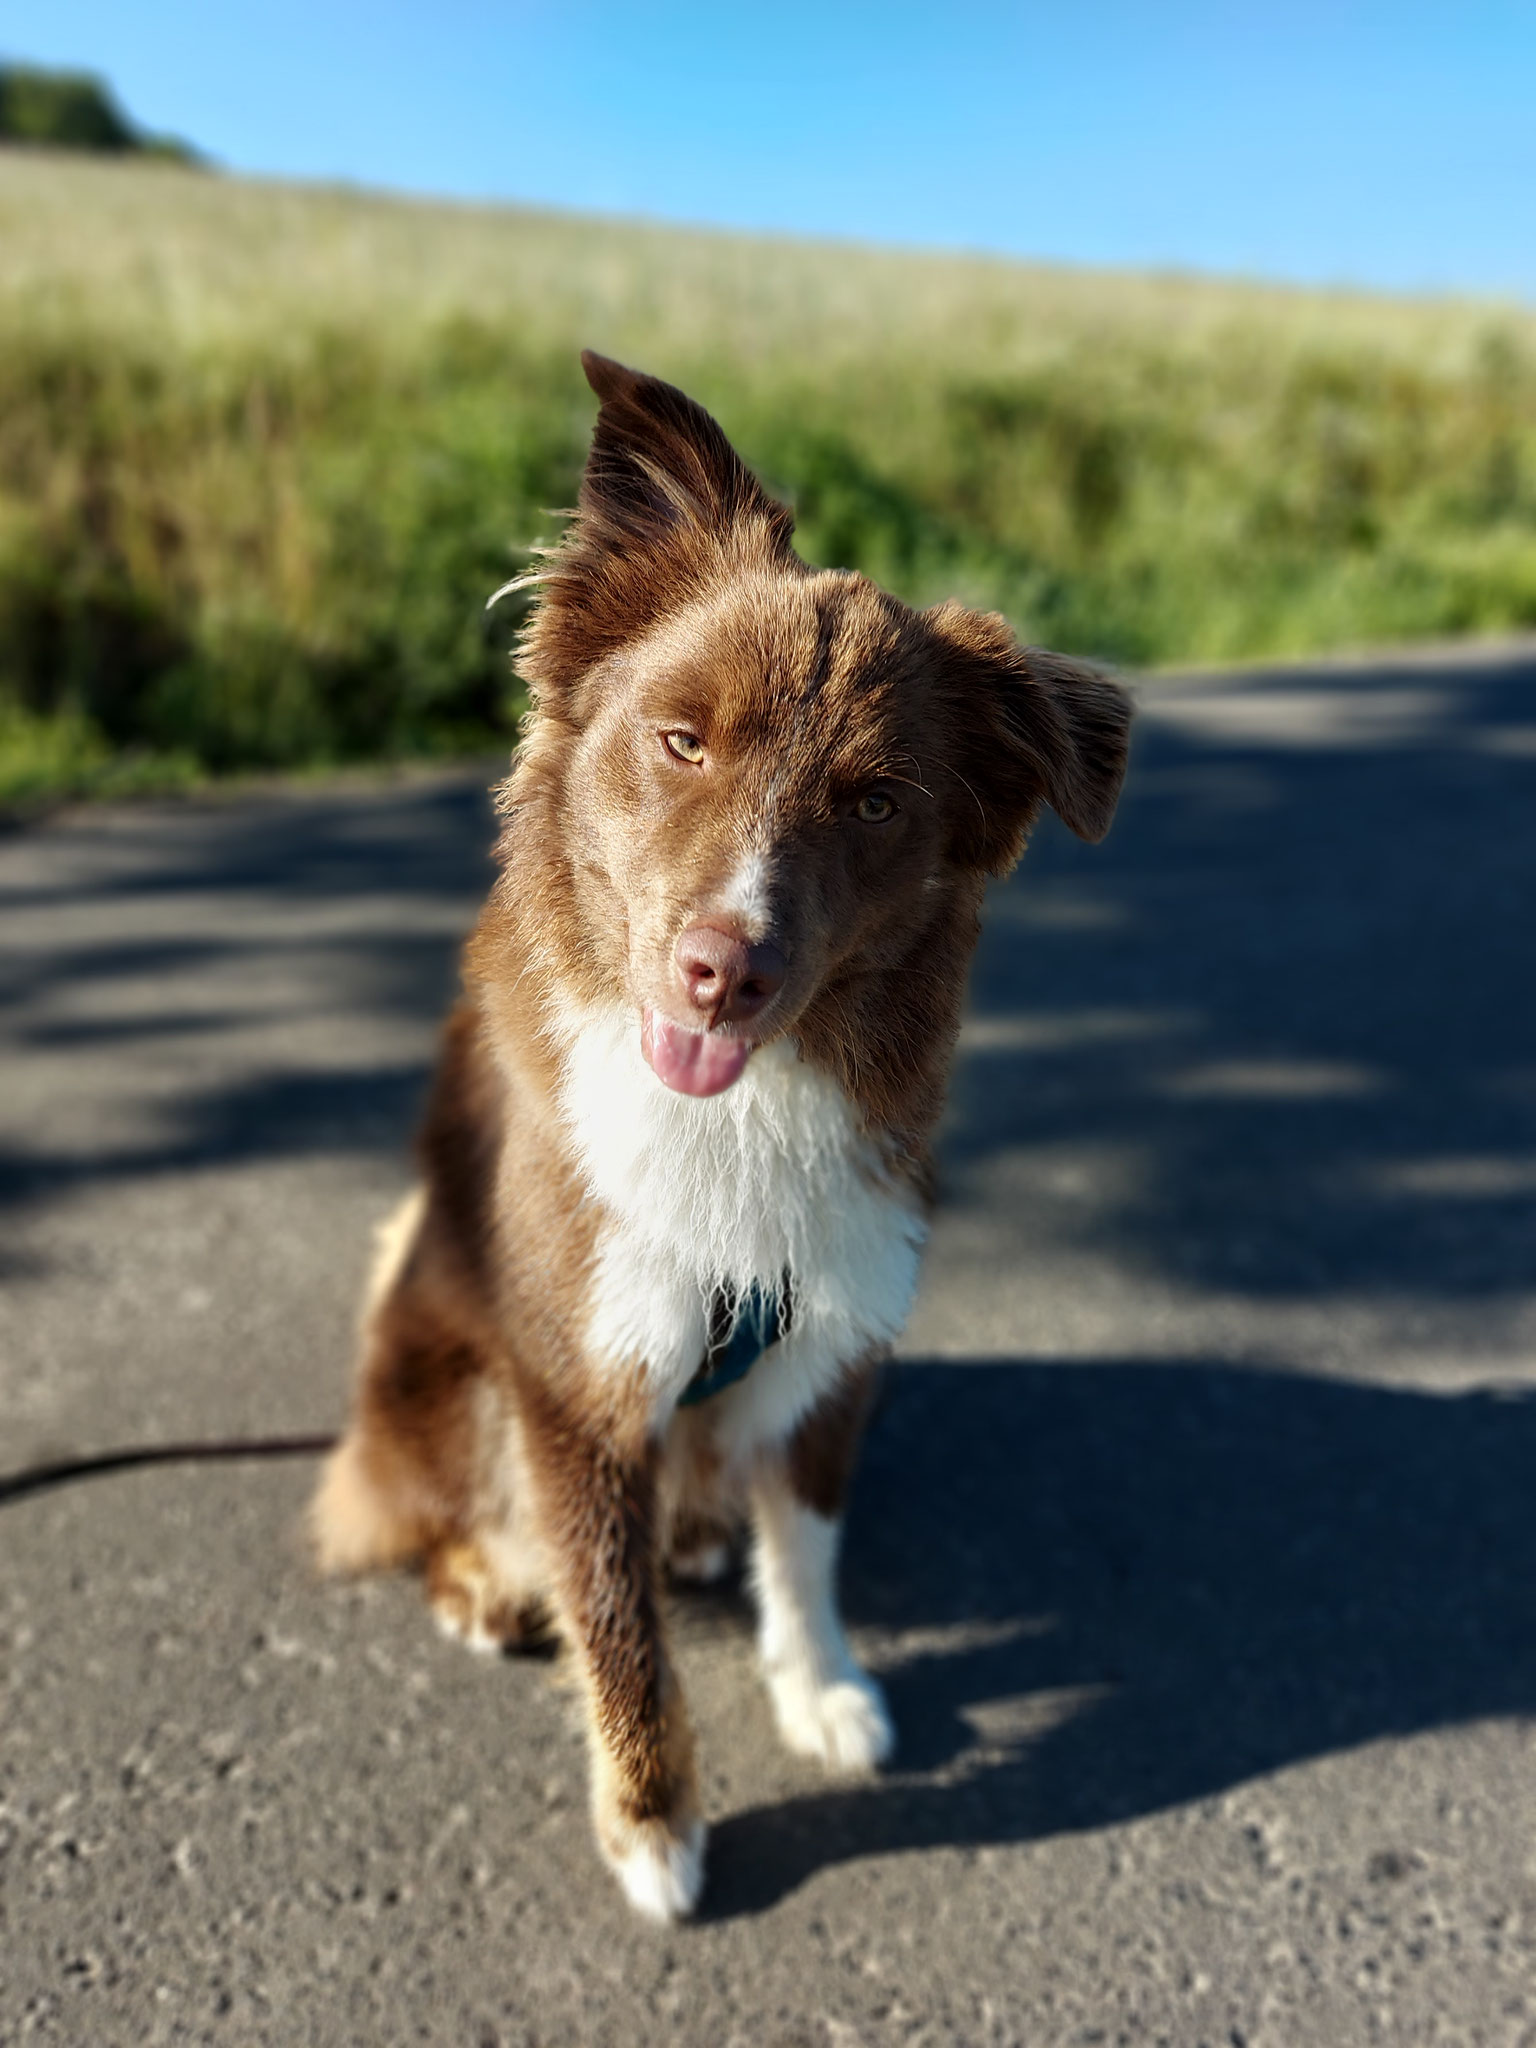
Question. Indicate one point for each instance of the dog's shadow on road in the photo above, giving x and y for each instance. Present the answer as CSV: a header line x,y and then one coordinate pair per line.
x,y
1134,1585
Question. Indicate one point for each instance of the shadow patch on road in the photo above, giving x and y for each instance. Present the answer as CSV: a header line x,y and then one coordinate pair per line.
x,y
1133,1585
422,838
289,1115
1294,992
219,868
250,935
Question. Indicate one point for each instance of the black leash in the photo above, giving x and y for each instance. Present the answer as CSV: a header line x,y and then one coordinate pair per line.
x,y
741,1329
64,1472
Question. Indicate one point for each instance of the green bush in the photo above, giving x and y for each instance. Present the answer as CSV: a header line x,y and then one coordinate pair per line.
x,y
262,563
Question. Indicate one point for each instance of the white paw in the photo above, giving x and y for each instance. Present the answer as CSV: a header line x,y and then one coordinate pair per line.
x,y
846,1725
471,1632
662,1874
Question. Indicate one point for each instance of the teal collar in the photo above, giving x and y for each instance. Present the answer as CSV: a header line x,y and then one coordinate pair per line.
x,y
741,1328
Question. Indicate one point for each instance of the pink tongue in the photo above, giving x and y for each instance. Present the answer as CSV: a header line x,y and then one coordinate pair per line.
x,y
692,1062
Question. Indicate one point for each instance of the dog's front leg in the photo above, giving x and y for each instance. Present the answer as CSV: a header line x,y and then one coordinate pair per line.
x,y
826,1704
596,1480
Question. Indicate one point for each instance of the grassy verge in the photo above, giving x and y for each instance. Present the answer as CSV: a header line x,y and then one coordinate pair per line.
x,y
263,452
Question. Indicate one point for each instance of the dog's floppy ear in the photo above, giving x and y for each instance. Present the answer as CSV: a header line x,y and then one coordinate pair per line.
x,y
666,504
1030,728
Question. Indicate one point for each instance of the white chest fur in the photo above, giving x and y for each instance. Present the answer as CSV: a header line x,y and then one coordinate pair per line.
x,y
773,1174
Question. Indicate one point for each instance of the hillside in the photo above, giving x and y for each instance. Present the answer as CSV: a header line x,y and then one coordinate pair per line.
x,y
263,451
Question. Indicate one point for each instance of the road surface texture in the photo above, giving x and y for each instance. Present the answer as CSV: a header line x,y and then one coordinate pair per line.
x,y
1196,1540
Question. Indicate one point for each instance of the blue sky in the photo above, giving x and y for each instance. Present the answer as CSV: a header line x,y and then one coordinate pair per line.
x,y
1390,146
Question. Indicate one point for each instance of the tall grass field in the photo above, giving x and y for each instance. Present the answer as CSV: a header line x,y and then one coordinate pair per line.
x,y
265,450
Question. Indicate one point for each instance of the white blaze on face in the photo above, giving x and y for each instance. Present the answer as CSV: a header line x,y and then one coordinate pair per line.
x,y
748,894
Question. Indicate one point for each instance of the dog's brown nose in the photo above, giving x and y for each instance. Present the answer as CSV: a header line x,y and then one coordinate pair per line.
x,y
727,980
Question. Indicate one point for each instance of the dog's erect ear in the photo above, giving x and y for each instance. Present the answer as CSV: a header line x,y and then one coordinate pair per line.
x,y
666,505
660,464
1030,728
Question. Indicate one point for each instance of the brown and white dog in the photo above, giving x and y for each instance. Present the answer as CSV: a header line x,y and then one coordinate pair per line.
x,y
682,1118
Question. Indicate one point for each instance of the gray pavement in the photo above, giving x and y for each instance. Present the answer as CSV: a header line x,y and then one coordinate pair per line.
x,y
1196,1540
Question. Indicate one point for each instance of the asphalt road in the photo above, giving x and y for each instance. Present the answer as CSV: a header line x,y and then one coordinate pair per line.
x,y
1196,1540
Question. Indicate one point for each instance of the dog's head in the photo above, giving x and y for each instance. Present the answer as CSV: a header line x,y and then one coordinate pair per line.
x,y
772,783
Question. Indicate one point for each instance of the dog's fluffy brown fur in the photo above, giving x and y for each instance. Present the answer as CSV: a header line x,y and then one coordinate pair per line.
x,y
819,781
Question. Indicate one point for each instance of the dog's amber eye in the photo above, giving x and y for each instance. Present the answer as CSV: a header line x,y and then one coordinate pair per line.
x,y
684,746
874,807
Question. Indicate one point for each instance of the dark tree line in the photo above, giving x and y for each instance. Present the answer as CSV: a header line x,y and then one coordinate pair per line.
x,y
73,110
